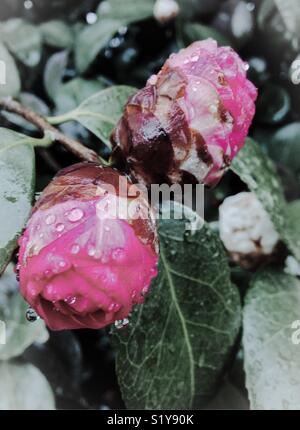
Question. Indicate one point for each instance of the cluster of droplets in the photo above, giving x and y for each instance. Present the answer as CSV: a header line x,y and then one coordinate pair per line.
x,y
119,324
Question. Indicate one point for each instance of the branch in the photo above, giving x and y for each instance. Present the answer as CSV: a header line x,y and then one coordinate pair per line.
x,y
72,145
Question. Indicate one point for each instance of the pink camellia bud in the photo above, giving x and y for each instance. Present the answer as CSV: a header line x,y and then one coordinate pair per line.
x,y
190,120
89,251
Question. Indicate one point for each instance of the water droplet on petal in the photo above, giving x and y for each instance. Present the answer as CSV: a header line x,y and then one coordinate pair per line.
x,y
62,263
70,300
121,323
50,219
75,215
195,58
91,252
60,227
118,254
31,315
246,66
113,307
75,249
213,109
145,290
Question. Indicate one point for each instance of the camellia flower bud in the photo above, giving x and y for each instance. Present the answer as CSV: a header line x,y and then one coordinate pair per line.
x,y
246,229
190,120
89,251
165,10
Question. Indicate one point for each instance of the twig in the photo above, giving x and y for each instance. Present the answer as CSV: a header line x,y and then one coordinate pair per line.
x,y
72,145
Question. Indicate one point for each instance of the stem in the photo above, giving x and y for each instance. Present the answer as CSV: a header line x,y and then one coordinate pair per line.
x,y
60,119
41,123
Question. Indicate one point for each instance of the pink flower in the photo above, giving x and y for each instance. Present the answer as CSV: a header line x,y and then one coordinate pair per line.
x,y
80,265
190,120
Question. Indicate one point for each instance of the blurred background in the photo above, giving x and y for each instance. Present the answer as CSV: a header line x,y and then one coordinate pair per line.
x,y
65,50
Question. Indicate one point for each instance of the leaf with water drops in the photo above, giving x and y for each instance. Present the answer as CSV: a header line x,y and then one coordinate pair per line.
x,y
100,112
174,350
19,334
91,39
112,15
272,354
24,387
16,189
23,40
257,170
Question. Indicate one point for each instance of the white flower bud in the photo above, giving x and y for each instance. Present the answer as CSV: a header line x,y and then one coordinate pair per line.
x,y
165,10
292,266
245,227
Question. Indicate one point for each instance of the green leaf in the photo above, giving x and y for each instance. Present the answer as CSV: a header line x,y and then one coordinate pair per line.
x,y
273,104
279,22
272,360
257,170
10,83
91,39
74,92
193,31
126,11
178,342
20,333
23,40
100,112
54,71
57,33
16,189
24,387
283,146
293,225
112,14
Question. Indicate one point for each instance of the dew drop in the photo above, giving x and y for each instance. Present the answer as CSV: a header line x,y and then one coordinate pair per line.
x,y
118,254
60,227
75,215
246,66
75,249
31,315
121,323
195,58
70,300
145,290
50,219
213,109
113,307
91,252
62,263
